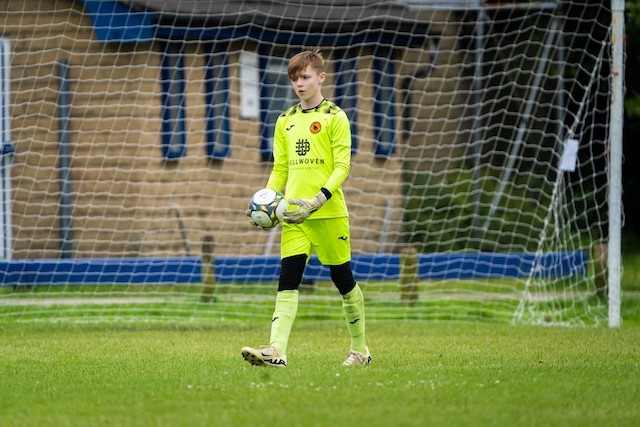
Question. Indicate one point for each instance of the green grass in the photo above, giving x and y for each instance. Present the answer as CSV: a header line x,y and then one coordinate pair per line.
x,y
631,271
496,300
179,364
423,374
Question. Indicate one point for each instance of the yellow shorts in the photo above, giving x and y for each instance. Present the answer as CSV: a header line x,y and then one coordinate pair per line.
x,y
328,238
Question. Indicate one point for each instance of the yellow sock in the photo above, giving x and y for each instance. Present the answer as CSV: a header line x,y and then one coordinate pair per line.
x,y
283,317
353,308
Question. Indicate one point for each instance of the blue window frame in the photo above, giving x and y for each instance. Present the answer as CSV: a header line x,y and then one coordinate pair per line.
x,y
384,109
346,85
173,102
276,95
218,101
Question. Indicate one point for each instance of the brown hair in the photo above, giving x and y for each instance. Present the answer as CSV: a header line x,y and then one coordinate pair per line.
x,y
299,62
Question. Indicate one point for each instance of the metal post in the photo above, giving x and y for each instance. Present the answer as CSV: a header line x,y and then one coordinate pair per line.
x,y
615,162
478,98
208,269
6,152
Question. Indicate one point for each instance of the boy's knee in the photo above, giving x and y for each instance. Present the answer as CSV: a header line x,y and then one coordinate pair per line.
x,y
291,272
342,277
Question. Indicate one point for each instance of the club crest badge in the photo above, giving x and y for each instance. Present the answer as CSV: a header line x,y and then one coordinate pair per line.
x,y
315,127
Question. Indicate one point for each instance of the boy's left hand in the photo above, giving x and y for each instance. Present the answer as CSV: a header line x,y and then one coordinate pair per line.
x,y
306,208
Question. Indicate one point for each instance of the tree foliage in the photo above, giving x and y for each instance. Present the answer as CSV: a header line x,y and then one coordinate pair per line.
x,y
632,99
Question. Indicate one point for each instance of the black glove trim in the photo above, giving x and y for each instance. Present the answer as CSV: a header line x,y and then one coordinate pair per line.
x,y
326,193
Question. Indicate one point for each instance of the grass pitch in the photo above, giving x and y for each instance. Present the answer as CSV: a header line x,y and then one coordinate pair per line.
x,y
423,374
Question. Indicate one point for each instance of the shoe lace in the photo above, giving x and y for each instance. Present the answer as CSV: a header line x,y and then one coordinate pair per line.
x,y
354,358
269,350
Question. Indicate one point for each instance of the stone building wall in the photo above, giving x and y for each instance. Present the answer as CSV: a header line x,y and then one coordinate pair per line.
x,y
125,199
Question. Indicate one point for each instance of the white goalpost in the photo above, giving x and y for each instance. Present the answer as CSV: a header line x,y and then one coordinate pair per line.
x,y
614,257
486,157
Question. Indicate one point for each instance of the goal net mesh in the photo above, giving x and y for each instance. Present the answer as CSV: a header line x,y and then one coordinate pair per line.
x,y
135,132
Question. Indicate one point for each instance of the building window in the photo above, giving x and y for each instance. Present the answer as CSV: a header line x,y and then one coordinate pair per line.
x,y
173,102
384,110
218,100
276,95
346,85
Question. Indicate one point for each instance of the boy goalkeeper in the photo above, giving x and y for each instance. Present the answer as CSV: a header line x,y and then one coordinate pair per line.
x,y
312,158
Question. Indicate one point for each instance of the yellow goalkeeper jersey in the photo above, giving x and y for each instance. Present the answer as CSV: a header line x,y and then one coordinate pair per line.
x,y
311,150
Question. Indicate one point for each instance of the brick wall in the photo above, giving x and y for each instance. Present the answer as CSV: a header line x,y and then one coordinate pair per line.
x,y
125,199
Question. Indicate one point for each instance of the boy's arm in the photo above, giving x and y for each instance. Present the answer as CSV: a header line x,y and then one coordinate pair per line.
x,y
341,150
278,177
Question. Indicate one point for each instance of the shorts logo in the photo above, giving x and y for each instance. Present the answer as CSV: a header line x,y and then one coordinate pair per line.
x,y
315,127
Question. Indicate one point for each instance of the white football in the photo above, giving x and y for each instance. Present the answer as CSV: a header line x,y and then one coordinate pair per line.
x,y
266,207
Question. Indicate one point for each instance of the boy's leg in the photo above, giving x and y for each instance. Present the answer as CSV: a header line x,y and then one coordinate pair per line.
x,y
353,308
286,307
352,305
282,321
284,315
335,251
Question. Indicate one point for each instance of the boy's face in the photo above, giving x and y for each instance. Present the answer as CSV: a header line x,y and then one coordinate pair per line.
x,y
308,84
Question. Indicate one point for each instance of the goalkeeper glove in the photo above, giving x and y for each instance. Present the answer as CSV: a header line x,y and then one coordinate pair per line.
x,y
306,207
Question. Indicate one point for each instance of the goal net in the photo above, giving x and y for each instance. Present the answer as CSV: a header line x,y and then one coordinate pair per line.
x,y
134,133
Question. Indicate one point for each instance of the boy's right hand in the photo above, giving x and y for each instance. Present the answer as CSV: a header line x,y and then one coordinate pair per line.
x,y
252,222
